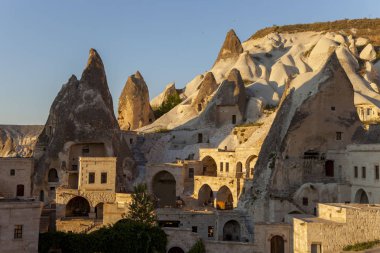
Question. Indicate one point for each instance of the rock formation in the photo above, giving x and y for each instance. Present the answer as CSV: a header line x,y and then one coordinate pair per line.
x,y
82,112
205,89
368,53
134,108
169,91
231,47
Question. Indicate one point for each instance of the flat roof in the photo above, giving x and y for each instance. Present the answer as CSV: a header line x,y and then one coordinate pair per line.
x,y
355,206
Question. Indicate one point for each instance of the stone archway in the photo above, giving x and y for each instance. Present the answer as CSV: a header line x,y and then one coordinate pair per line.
x,y
209,166
249,166
77,207
231,231
239,170
205,196
224,199
99,211
164,189
361,197
176,250
277,244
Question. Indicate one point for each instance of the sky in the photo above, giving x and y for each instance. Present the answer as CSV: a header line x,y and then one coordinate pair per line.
x,y
42,43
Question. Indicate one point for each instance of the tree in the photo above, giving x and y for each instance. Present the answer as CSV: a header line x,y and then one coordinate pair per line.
x,y
198,247
141,208
167,105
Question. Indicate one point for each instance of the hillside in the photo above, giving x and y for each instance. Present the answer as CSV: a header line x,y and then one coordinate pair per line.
x,y
367,28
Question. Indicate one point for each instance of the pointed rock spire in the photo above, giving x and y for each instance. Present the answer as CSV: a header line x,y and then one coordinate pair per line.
x,y
134,108
231,47
206,88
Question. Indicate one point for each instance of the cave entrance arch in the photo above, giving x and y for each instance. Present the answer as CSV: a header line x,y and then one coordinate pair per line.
x,y
164,189
205,196
231,231
249,166
224,199
77,207
277,244
209,166
361,197
176,250
53,176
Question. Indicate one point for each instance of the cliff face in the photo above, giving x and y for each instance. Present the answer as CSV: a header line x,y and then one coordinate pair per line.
x,y
134,108
18,141
82,112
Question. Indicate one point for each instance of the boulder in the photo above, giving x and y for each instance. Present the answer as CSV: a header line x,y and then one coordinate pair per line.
x,y
134,108
368,53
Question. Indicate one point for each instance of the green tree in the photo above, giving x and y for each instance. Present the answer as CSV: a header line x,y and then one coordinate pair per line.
x,y
141,208
167,105
198,247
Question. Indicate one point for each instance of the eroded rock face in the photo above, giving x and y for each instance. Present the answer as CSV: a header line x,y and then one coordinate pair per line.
x,y
169,91
134,106
18,141
232,91
206,88
231,47
82,113
368,53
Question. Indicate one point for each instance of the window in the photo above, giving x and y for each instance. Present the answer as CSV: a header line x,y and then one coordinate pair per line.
x,y
194,229
338,136
18,232
233,119
356,172
210,231
20,190
74,167
221,166
377,172
332,108
12,172
316,248
85,149
368,111
363,172
305,201
91,177
191,172
227,167
103,178
200,138
199,107
130,141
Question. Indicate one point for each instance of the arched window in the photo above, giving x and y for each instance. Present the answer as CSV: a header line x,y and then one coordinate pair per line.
x,y
361,197
209,166
224,199
277,244
77,206
20,190
164,189
53,175
231,231
205,196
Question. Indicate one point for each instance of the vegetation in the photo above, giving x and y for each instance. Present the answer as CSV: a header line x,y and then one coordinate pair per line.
x,y
141,208
198,247
167,105
361,246
368,28
127,236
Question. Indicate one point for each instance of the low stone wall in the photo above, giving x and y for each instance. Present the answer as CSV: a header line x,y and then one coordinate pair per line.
x,y
229,247
74,225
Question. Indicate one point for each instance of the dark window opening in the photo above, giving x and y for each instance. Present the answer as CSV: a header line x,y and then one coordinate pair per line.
x,y
130,141
356,172
338,136
18,232
103,178
168,223
310,154
363,172
316,248
200,138
12,172
85,149
234,119
91,177
329,168
191,173
194,229
227,167
199,107
332,108
210,231
74,167
42,195
305,201
221,166
377,175
20,190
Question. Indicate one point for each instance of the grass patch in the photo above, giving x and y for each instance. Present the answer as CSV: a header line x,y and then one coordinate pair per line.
x,y
361,246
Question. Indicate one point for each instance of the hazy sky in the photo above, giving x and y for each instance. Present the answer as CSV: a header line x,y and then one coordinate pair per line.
x,y
43,42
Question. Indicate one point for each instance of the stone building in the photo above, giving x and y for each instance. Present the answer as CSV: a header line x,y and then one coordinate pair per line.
x,y
15,177
368,112
19,225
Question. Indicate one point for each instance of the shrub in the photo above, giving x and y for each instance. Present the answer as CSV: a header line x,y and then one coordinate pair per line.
x,y
198,247
167,105
361,246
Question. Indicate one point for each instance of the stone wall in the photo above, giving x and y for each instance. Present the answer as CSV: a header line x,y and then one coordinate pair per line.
x,y
23,169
